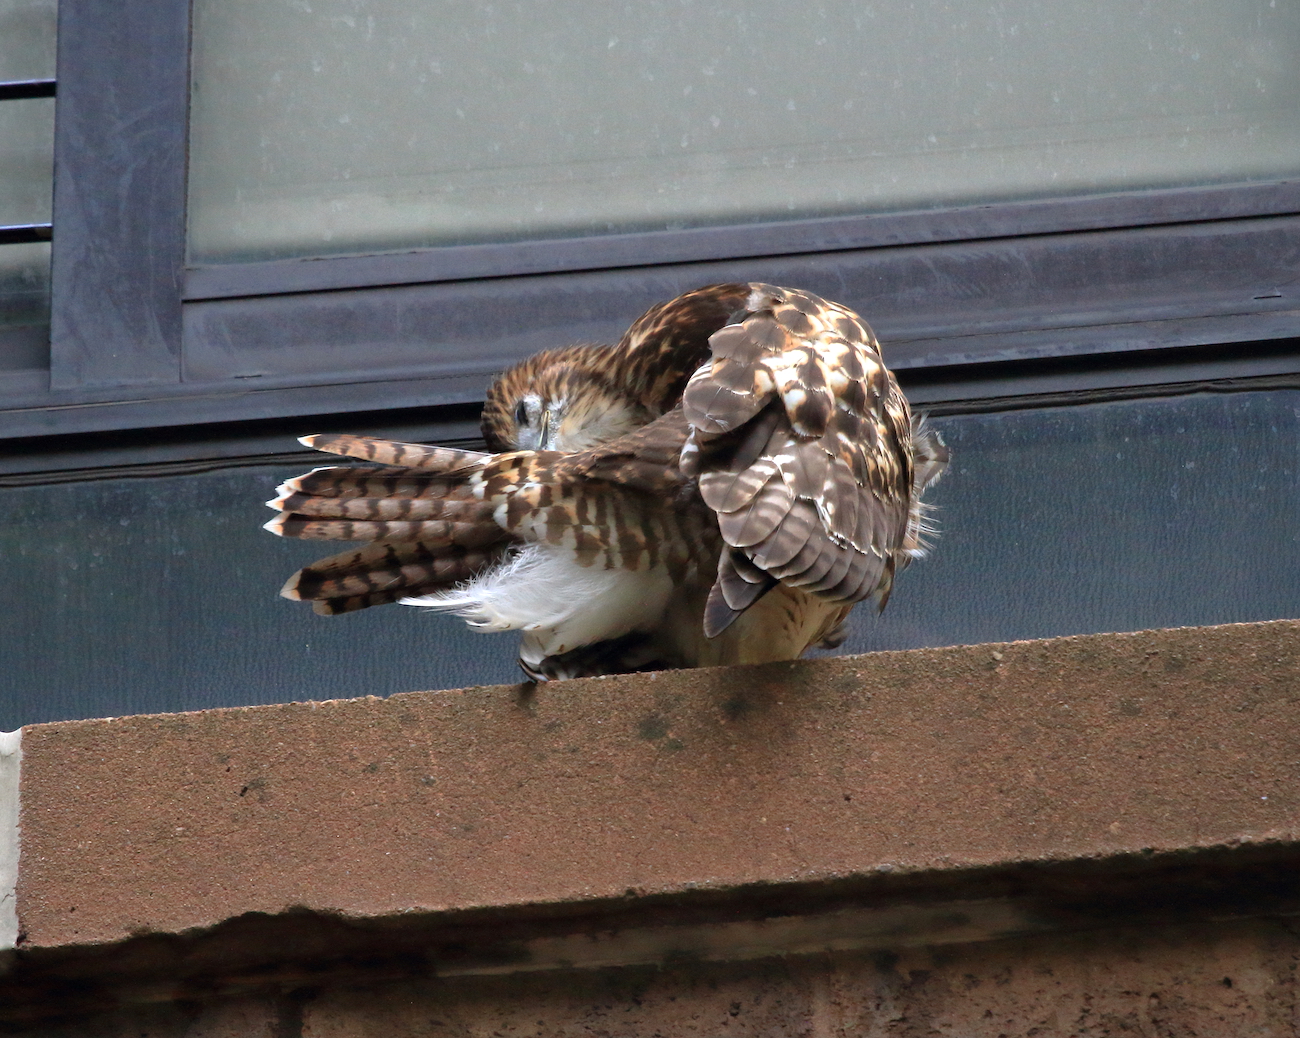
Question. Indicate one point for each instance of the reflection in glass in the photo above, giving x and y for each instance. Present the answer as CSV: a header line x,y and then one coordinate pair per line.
x,y
24,306
159,592
24,284
352,125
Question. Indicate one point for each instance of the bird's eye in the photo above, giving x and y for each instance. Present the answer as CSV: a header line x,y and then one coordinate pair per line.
x,y
521,414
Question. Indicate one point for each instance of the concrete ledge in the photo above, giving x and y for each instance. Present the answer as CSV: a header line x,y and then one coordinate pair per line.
x,y
891,800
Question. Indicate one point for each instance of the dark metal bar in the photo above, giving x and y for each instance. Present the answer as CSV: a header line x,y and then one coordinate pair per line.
x,y
932,305
747,241
119,148
209,411
1144,293
23,89
25,233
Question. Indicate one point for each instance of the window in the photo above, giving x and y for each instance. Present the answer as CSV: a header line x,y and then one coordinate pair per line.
x,y
26,177
961,283
334,127
1065,283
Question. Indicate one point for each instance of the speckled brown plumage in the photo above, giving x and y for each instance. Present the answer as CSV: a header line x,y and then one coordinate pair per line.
x,y
801,440
645,372
755,472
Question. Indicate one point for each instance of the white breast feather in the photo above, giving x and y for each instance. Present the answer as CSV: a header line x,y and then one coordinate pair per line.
x,y
542,590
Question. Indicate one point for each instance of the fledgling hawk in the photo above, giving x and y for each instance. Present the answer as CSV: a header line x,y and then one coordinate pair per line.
x,y
722,486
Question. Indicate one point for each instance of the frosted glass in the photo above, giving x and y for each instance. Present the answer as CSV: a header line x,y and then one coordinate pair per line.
x,y
333,126
27,39
27,33
26,127
26,160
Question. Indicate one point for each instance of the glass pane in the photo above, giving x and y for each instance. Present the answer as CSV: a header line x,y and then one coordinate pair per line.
x,y
26,127
26,186
26,160
27,39
27,29
1106,517
159,592
334,126
24,306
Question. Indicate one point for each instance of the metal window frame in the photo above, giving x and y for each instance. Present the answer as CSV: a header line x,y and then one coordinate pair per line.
x,y
25,89
140,340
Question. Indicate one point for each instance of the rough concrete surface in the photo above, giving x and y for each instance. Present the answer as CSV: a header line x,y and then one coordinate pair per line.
x,y
1233,980
661,784
1201,981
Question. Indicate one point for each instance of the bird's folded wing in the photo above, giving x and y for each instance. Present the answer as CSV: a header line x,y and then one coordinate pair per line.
x,y
663,347
800,440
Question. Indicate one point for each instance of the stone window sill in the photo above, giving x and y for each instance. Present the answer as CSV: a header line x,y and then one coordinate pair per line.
x,y
902,798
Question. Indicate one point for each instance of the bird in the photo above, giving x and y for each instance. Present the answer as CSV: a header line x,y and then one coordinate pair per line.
x,y
721,486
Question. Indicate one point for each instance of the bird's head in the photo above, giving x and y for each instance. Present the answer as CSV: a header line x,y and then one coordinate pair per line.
x,y
559,400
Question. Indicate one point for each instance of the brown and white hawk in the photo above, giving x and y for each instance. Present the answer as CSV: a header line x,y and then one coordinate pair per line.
x,y
722,486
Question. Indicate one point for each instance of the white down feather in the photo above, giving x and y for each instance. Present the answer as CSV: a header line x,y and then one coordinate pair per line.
x,y
559,604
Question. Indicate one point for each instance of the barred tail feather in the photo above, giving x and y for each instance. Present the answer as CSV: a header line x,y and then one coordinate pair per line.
x,y
437,531
389,570
393,452
430,528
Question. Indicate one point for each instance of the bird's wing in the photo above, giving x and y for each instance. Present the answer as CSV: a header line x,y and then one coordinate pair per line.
x,y
662,348
801,442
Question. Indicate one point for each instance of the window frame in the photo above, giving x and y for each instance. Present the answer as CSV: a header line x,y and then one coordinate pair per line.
x,y
970,302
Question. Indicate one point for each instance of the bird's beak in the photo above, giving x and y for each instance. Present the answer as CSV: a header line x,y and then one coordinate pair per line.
x,y
544,440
